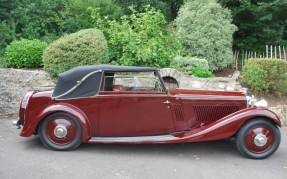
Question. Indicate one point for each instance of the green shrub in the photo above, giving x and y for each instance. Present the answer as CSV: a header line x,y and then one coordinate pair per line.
x,y
186,64
25,53
206,29
201,73
266,75
140,39
85,47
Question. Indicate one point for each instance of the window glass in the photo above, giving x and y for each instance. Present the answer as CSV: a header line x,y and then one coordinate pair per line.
x,y
135,81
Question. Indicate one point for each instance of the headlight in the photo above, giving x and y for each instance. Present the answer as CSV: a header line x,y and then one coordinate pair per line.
x,y
250,100
261,104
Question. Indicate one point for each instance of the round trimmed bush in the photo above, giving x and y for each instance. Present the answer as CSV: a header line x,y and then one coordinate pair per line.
x,y
187,64
85,47
25,53
201,73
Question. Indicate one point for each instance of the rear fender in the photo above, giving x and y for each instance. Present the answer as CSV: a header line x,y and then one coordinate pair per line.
x,y
60,107
228,126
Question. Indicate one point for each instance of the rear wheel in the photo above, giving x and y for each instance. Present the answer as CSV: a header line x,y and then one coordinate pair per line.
x,y
258,139
60,131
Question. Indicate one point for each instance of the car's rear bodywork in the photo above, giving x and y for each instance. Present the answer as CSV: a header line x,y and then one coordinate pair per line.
x,y
110,110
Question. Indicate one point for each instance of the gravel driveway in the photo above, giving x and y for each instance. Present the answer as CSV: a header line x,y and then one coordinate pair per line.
x,y
27,158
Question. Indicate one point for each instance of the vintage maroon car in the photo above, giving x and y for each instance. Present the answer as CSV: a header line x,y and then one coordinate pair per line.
x,y
131,105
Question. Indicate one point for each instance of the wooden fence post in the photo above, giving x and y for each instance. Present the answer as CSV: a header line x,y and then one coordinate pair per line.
x,y
275,52
285,58
280,52
242,58
236,65
271,52
266,51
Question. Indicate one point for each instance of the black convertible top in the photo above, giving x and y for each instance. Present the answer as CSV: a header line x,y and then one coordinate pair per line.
x,y
84,81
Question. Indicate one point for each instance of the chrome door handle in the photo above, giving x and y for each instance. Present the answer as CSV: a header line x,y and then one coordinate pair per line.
x,y
166,102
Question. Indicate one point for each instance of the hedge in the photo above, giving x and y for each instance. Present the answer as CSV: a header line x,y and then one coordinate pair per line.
x,y
266,75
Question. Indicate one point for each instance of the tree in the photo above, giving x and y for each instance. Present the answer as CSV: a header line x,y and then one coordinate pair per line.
x,y
259,22
47,20
207,31
6,6
174,6
140,39
139,5
168,7
76,14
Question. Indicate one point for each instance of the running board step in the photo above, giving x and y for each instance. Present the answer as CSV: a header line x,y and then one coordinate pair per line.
x,y
139,139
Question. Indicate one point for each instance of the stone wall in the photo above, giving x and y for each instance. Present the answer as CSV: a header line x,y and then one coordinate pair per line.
x,y
14,84
281,111
217,84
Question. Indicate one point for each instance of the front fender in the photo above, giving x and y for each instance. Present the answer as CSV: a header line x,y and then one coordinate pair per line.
x,y
29,129
228,126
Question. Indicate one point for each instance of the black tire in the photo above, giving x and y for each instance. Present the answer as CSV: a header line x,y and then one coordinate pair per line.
x,y
258,138
73,136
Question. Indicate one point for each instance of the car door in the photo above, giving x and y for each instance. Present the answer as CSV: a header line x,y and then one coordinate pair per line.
x,y
130,110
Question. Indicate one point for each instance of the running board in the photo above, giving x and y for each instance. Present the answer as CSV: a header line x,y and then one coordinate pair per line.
x,y
136,140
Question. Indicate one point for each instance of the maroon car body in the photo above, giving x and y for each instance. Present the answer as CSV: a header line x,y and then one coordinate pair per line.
x,y
99,104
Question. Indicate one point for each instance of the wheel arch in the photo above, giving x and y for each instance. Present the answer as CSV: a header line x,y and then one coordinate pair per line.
x,y
78,114
264,117
229,125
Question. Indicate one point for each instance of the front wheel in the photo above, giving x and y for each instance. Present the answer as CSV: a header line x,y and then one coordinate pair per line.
x,y
258,139
60,131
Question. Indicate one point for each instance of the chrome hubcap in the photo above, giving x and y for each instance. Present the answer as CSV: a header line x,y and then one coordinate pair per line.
x,y
60,131
260,140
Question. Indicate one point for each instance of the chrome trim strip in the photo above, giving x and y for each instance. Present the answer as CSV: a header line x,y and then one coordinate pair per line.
x,y
133,139
78,84
76,98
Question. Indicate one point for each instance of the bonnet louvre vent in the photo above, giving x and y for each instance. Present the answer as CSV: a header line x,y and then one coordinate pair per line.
x,y
212,113
178,111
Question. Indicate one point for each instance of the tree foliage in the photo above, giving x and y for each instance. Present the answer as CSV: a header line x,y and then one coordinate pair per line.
x,y
259,22
168,7
207,31
140,39
76,15
47,20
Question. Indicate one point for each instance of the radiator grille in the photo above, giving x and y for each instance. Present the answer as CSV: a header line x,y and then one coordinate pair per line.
x,y
178,111
212,113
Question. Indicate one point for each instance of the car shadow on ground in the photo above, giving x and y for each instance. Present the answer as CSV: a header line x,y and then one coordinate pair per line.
x,y
197,149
